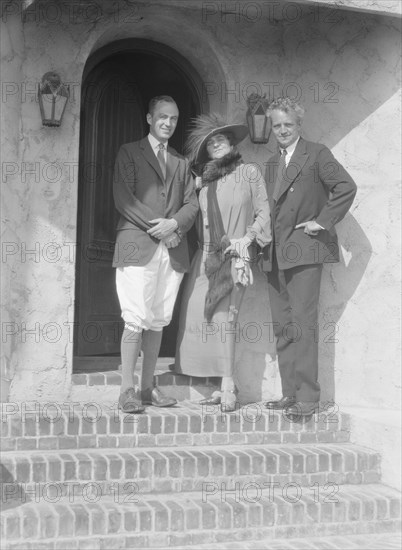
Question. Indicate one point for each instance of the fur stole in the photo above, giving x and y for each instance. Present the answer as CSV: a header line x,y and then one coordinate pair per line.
x,y
218,266
218,168
218,269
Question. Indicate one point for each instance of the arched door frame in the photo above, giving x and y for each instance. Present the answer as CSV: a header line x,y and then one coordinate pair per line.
x,y
142,45
148,47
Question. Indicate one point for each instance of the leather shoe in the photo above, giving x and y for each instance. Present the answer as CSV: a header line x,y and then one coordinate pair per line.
x,y
154,397
129,403
283,403
303,408
215,399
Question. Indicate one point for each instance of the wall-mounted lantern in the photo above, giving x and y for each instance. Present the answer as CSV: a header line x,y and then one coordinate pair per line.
x,y
259,125
53,96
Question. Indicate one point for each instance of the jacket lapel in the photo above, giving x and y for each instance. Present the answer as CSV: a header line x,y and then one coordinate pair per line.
x,y
296,163
150,156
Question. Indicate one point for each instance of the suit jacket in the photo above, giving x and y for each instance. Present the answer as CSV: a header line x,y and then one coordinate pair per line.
x,y
141,194
315,187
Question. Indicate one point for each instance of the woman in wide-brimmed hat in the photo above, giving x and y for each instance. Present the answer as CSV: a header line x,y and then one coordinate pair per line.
x,y
233,225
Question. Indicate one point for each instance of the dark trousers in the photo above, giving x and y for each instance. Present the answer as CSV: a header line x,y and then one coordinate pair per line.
x,y
294,295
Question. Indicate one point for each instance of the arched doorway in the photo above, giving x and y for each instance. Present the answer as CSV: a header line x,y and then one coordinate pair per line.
x,y
118,82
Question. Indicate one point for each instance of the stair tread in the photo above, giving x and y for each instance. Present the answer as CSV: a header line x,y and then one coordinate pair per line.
x,y
208,449
93,410
31,407
159,469
384,541
196,517
101,425
162,372
364,492
153,466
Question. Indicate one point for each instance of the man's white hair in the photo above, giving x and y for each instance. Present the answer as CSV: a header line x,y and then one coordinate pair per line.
x,y
286,105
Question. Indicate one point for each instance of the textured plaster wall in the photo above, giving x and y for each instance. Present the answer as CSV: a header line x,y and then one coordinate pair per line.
x,y
390,7
346,73
12,46
360,294
345,68
40,169
39,203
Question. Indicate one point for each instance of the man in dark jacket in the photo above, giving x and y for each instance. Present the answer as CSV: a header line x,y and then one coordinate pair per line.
x,y
155,194
309,192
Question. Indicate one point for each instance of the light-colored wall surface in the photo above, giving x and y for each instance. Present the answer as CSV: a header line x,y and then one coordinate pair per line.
x,y
379,430
345,70
390,7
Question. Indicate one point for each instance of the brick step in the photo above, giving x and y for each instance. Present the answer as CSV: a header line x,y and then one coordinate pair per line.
x,y
368,541
388,541
51,473
188,519
40,426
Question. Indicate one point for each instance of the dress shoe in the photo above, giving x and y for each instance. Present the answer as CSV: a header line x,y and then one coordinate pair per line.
x,y
154,397
129,403
215,399
303,408
283,403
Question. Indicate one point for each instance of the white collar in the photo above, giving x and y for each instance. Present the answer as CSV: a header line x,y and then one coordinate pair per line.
x,y
291,149
155,143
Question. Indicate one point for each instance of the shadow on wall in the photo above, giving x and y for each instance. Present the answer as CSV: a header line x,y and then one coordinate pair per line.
x,y
338,285
257,377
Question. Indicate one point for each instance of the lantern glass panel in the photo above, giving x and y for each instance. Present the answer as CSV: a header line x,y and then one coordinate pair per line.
x,y
60,103
260,122
47,102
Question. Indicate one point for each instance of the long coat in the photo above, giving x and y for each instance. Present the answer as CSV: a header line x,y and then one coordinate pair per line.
x,y
315,186
141,194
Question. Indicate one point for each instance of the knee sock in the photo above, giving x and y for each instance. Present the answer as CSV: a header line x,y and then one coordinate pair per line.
x,y
151,343
130,349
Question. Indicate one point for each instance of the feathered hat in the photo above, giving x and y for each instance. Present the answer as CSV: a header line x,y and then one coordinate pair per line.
x,y
204,127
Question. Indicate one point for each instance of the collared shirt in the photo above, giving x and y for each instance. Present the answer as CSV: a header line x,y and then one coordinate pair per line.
x,y
290,150
155,146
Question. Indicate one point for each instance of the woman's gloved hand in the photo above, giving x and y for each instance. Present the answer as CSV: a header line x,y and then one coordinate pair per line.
x,y
244,273
239,247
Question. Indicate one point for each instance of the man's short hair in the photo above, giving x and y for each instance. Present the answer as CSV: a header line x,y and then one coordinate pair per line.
x,y
155,100
286,105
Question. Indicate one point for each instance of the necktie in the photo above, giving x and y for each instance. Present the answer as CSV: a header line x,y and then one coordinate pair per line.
x,y
161,159
279,175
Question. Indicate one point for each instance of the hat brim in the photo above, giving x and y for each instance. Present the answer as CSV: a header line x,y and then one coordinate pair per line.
x,y
238,133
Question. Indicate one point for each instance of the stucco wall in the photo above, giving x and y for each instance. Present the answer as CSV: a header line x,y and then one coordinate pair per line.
x,y
345,70
388,7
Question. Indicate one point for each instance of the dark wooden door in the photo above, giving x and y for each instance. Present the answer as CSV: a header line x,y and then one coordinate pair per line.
x,y
114,105
112,114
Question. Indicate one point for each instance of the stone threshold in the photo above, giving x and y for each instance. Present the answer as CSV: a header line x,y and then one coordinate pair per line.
x,y
164,378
